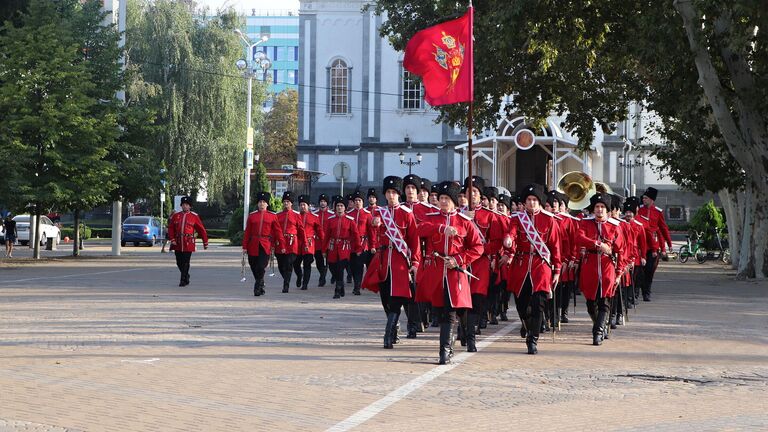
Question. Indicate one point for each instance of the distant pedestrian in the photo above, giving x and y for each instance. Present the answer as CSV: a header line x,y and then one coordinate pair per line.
x,y
181,230
10,235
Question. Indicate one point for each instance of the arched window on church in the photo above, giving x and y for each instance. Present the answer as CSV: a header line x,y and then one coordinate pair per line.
x,y
338,89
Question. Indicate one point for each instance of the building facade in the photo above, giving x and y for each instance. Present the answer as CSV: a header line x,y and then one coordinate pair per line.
x,y
358,109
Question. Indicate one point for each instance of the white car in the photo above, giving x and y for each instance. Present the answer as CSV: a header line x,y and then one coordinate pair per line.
x,y
47,230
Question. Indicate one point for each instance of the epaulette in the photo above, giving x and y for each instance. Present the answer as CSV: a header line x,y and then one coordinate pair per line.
x,y
645,217
430,205
295,212
464,216
636,221
350,217
590,217
406,208
570,216
496,212
253,212
547,213
367,211
332,216
193,213
641,206
350,211
613,221
659,209
558,217
622,220
432,214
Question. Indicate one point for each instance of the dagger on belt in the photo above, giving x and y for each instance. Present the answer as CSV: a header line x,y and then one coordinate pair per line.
x,y
457,268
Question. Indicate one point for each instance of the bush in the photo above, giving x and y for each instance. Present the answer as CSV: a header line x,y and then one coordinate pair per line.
x,y
708,219
85,232
101,232
217,233
684,227
236,239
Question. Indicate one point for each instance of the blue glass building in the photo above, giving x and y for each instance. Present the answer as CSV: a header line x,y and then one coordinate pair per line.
x,y
282,28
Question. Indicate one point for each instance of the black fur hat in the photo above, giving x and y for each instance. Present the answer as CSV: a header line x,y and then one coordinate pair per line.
x,y
631,204
599,197
411,179
451,189
477,182
288,196
186,200
372,193
263,196
490,192
535,190
394,183
651,193
339,199
426,184
304,199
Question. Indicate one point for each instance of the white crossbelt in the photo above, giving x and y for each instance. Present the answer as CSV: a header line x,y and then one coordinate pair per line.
x,y
533,236
394,235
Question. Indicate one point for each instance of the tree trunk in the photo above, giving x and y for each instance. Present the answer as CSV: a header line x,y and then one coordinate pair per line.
x,y
76,235
730,201
741,124
36,235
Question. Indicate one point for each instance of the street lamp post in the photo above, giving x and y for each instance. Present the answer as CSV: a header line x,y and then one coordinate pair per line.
x,y
629,166
263,62
410,161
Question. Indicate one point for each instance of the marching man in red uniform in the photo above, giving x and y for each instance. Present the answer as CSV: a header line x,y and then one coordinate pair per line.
x,y
322,213
396,261
653,219
491,235
533,254
641,245
288,245
599,235
312,238
452,244
362,219
340,239
261,232
181,230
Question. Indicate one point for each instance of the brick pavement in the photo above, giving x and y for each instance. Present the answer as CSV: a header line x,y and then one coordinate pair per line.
x,y
121,347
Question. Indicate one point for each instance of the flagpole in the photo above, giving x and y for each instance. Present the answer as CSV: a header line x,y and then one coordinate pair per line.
x,y
472,100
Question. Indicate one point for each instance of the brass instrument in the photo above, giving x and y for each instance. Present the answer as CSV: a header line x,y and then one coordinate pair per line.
x,y
603,188
579,188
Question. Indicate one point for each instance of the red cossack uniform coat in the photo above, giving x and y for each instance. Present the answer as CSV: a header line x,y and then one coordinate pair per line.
x,y
569,254
434,274
340,238
262,230
629,251
293,232
362,219
322,216
499,272
524,259
642,240
598,270
491,235
653,219
312,234
388,260
181,230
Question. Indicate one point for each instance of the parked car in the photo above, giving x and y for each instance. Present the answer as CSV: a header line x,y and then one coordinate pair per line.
x,y
140,229
47,230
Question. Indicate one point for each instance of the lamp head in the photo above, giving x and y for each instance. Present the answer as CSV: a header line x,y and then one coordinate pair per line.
x,y
418,156
241,64
402,157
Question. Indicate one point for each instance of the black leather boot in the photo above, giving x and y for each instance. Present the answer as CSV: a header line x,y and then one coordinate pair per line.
x,y
493,320
598,328
396,339
298,280
530,343
356,290
256,289
471,319
285,286
446,351
181,281
305,282
321,282
411,331
564,316
337,291
462,330
389,331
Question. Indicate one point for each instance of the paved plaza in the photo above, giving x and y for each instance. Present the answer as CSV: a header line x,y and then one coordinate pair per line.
x,y
113,344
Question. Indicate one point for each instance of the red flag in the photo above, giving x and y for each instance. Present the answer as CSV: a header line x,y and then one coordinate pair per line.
x,y
442,56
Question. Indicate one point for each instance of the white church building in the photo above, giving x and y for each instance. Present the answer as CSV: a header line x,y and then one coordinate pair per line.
x,y
359,109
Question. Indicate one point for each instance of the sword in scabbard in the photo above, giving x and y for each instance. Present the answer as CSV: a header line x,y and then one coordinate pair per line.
x,y
457,268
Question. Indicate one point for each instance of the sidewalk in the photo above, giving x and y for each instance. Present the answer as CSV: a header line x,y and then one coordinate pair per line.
x,y
115,345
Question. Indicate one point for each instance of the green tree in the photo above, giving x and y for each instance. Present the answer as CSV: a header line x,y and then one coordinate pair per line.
x,y
281,130
195,94
260,182
592,58
708,220
57,66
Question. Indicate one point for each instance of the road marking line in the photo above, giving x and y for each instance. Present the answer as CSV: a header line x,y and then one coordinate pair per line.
x,y
74,275
399,393
147,361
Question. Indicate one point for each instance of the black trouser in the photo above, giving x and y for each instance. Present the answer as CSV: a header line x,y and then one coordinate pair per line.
x,y
258,264
505,297
391,304
182,262
494,298
337,271
320,263
563,297
357,265
638,279
285,264
530,307
302,274
446,313
650,268
598,310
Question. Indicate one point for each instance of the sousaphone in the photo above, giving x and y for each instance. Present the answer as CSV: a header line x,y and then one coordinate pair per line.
x,y
578,187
